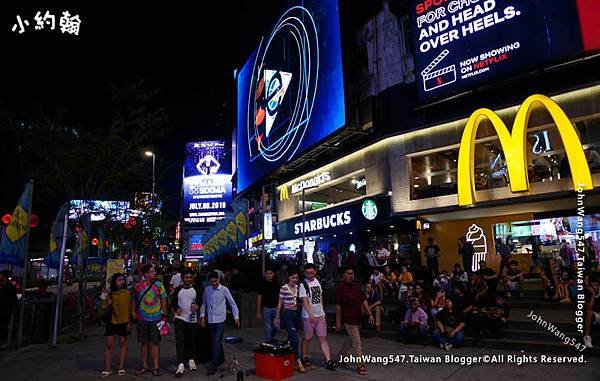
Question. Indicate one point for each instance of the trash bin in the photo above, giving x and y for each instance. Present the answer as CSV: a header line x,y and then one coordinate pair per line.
x,y
41,320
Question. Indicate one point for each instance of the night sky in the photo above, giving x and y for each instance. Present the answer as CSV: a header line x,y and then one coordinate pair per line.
x,y
188,52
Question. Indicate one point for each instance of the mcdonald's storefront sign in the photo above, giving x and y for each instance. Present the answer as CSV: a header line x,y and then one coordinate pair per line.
x,y
284,193
514,145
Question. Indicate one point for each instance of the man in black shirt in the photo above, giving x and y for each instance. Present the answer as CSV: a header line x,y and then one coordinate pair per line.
x,y
266,303
432,252
466,251
489,276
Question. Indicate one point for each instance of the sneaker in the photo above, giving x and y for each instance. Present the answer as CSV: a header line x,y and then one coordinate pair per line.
x,y
180,370
192,365
448,347
587,341
331,365
442,346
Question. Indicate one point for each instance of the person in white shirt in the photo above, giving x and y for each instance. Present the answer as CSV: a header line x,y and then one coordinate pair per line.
x,y
313,315
383,255
377,280
185,303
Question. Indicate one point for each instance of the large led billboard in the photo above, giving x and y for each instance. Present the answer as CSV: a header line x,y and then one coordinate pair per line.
x,y
99,210
461,44
291,90
206,183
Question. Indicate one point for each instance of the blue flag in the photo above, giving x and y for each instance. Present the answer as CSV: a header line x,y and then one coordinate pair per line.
x,y
52,260
14,240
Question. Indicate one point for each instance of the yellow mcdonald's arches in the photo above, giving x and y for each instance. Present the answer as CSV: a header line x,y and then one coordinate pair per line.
x,y
284,193
514,144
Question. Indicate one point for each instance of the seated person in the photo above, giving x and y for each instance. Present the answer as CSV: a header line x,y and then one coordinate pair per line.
x,y
376,280
438,301
414,326
405,276
489,276
513,280
479,290
442,281
548,280
390,281
495,315
450,325
423,297
375,306
464,302
592,310
459,276
406,293
562,280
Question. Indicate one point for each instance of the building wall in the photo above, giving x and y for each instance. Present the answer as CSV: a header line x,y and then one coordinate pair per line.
x,y
445,234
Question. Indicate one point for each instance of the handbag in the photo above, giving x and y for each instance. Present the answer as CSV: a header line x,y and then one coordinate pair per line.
x,y
163,328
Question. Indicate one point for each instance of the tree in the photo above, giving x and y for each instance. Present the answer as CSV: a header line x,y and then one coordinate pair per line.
x,y
68,160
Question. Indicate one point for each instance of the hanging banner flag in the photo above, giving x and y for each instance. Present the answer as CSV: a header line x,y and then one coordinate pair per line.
x,y
232,232
113,266
52,260
240,222
14,241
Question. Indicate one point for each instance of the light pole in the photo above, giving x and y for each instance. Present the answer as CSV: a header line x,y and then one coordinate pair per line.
x,y
150,153
304,219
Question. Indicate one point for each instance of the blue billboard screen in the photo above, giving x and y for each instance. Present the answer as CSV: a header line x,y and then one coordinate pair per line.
x,y
100,210
206,183
291,89
461,44
207,158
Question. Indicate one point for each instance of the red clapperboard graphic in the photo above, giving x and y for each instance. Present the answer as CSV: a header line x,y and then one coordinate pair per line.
x,y
441,77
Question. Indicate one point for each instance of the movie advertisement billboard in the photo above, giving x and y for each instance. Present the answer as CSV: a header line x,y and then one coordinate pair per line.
x,y
460,44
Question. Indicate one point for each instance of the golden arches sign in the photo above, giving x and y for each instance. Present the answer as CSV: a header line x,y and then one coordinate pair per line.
x,y
514,145
284,193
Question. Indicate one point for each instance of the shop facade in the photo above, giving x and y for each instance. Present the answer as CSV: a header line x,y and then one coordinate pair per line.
x,y
427,177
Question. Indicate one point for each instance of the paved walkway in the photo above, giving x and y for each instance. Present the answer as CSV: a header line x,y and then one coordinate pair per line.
x,y
83,360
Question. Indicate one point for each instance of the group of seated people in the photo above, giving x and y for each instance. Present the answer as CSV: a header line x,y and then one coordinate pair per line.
x,y
450,306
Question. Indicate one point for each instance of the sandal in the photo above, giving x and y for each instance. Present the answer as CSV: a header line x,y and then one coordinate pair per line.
x,y
105,373
362,370
121,372
141,371
156,372
300,369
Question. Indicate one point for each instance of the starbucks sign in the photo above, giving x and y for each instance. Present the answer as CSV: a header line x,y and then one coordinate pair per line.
x,y
369,209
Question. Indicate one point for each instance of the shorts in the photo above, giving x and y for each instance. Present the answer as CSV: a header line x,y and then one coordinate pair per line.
x,y
147,332
596,320
116,329
319,327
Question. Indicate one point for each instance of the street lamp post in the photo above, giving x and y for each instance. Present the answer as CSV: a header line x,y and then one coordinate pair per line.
x,y
150,153
304,219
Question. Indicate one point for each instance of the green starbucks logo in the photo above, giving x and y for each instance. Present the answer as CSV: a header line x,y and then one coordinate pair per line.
x,y
369,209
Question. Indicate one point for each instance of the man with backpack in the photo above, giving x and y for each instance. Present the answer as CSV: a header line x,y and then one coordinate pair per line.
x,y
313,315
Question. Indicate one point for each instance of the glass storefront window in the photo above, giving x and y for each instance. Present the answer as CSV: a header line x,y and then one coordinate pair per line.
x,y
324,196
434,174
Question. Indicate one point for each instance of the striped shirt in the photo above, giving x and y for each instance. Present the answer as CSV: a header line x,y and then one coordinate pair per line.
x,y
288,297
